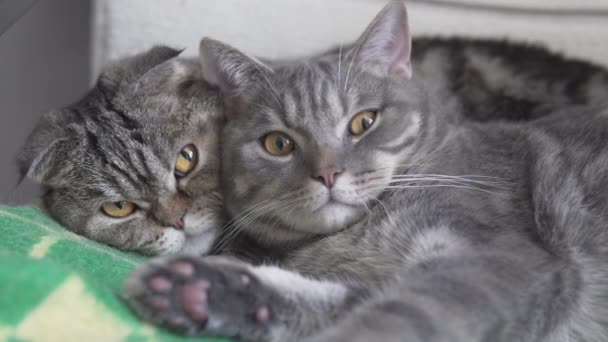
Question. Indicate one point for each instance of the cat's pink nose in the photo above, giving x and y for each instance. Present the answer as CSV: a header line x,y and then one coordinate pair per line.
x,y
179,223
171,211
176,222
327,176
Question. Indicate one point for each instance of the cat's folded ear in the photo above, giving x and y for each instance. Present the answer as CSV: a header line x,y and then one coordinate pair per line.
x,y
152,72
129,71
386,44
236,74
46,146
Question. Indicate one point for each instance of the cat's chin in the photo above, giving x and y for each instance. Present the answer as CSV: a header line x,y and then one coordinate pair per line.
x,y
331,217
200,244
201,232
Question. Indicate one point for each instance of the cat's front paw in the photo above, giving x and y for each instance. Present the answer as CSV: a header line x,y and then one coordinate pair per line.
x,y
203,296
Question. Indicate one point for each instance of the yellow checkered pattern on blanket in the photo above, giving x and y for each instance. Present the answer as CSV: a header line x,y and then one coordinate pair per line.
x,y
58,286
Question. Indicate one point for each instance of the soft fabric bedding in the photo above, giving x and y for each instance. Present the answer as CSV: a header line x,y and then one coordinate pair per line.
x,y
59,286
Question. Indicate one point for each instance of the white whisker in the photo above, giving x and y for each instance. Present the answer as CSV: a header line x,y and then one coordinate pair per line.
x,y
255,212
386,211
340,67
406,186
230,225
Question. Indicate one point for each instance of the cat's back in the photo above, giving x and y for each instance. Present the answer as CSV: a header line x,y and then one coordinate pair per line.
x,y
569,178
556,158
574,141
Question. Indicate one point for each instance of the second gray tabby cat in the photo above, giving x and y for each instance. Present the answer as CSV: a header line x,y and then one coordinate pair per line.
x,y
403,222
110,163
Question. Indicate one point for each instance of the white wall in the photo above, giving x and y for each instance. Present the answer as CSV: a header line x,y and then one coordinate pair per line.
x,y
279,28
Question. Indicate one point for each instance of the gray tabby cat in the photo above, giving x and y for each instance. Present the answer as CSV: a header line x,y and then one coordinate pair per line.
x,y
134,164
403,223
133,175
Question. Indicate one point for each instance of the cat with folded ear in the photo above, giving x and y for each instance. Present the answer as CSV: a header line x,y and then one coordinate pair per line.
x,y
402,221
134,164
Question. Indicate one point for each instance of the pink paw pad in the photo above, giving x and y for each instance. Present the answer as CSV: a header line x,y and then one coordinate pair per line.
x,y
262,315
194,300
160,284
183,268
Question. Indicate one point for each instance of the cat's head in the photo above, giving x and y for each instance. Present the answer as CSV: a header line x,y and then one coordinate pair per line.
x,y
309,145
134,164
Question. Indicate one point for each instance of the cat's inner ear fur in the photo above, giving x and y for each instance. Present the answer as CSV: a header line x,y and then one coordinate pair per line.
x,y
387,42
236,74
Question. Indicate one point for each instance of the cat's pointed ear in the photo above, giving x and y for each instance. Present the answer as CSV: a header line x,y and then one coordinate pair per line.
x,y
45,147
387,42
236,74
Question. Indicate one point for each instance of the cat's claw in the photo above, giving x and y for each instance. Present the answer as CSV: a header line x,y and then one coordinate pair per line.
x,y
195,296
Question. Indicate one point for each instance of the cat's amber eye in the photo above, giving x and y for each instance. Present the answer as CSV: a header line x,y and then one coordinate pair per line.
x,y
118,209
278,144
186,161
362,122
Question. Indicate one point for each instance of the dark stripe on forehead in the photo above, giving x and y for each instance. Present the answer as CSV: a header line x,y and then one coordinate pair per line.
x,y
304,91
141,178
121,142
126,176
94,192
125,153
270,117
323,102
144,163
94,146
127,122
128,160
113,180
309,89
137,137
300,110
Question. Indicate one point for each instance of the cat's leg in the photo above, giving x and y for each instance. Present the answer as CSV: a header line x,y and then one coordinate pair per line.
x,y
467,299
225,297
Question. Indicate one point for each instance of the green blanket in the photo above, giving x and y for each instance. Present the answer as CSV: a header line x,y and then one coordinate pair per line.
x,y
58,286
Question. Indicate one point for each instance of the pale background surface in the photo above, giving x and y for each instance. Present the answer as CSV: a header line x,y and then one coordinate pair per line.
x,y
54,53
44,64
279,28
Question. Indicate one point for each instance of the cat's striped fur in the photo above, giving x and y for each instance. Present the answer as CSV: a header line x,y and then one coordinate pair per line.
x,y
120,143
490,80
